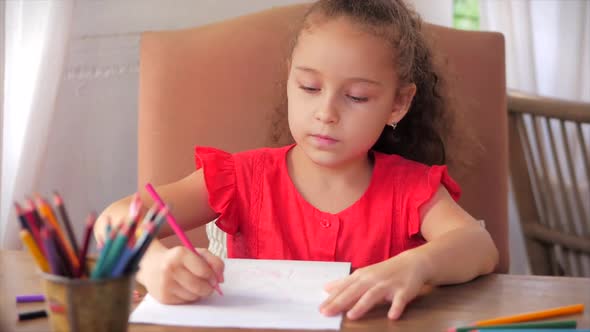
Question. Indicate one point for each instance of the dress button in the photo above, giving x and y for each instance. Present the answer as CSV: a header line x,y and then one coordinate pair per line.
x,y
325,223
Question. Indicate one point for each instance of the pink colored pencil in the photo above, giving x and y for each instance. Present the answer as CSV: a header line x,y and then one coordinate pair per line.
x,y
174,225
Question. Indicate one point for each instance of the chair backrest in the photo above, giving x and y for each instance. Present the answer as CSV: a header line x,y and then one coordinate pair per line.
x,y
220,85
550,174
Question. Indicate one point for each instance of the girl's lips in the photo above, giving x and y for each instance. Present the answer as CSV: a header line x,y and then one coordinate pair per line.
x,y
323,141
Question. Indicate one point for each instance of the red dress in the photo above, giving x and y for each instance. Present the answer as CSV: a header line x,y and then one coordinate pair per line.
x,y
267,218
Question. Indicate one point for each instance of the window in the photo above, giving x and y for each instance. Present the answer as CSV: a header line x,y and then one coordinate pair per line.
x,y
466,14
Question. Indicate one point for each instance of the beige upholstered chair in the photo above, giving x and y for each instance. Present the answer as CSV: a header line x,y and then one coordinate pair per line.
x,y
220,85
550,173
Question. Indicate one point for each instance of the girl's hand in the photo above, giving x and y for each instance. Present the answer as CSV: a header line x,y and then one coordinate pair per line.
x,y
397,280
176,275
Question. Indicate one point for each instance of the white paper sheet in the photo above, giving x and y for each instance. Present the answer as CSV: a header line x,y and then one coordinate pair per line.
x,y
257,294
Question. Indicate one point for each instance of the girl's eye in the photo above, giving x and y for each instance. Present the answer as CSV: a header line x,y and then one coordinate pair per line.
x,y
358,99
308,88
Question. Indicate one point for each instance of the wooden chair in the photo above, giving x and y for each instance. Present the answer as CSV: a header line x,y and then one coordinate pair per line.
x,y
550,173
221,85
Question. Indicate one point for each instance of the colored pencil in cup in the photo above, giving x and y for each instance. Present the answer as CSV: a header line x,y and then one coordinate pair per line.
x,y
530,316
61,208
134,216
566,324
34,250
143,243
85,244
62,252
47,214
34,214
147,218
107,233
116,250
24,224
54,260
175,227
134,250
123,260
135,207
27,224
104,252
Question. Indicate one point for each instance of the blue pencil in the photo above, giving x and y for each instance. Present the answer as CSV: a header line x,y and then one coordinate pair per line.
x,y
116,250
142,245
97,271
130,250
122,263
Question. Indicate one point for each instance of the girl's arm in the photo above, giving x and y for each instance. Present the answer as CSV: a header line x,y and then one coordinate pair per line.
x,y
458,250
187,197
174,275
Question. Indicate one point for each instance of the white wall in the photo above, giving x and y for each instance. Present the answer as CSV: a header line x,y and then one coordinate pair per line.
x,y
92,151
435,11
92,148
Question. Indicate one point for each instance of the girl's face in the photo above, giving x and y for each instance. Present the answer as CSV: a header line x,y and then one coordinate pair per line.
x,y
342,90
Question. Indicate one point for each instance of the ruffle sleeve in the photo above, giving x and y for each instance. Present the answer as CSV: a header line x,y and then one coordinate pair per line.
x,y
220,178
424,188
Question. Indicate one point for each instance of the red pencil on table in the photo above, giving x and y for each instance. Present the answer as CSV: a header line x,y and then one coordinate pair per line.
x,y
175,227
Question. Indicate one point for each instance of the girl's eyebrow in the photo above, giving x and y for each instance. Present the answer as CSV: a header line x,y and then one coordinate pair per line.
x,y
355,79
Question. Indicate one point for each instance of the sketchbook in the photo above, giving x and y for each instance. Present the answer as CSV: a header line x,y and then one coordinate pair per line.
x,y
276,294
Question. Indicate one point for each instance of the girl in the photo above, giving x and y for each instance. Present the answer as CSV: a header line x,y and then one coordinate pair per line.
x,y
360,183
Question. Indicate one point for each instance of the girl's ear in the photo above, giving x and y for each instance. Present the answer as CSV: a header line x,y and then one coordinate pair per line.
x,y
402,102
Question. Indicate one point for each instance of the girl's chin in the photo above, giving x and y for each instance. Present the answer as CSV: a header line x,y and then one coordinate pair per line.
x,y
328,158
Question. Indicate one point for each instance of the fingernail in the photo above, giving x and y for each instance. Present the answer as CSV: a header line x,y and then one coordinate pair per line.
x,y
213,281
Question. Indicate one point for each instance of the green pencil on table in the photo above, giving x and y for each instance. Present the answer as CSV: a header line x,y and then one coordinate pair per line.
x,y
566,324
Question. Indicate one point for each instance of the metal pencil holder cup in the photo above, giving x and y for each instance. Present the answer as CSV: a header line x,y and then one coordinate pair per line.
x,y
88,305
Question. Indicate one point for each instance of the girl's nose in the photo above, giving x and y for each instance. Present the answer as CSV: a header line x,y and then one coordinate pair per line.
x,y
327,112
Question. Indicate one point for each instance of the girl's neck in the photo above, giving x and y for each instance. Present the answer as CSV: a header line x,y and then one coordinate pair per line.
x,y
354,172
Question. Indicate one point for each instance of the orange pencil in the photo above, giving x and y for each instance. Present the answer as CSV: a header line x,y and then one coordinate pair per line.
x,y
536,315
46,212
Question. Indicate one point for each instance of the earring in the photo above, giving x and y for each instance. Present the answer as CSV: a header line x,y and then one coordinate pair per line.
x,y
393,125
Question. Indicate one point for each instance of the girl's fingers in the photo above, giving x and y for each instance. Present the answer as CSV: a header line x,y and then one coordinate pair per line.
x,y
181,294
335,285
400,299
192,283
214,262
367,301
199,267
341,301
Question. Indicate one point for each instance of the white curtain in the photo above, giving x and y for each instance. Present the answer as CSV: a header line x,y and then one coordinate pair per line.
x,y
547,45
36,35
547,53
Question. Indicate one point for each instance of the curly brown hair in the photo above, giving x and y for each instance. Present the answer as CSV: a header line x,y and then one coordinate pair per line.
x,y
422,133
